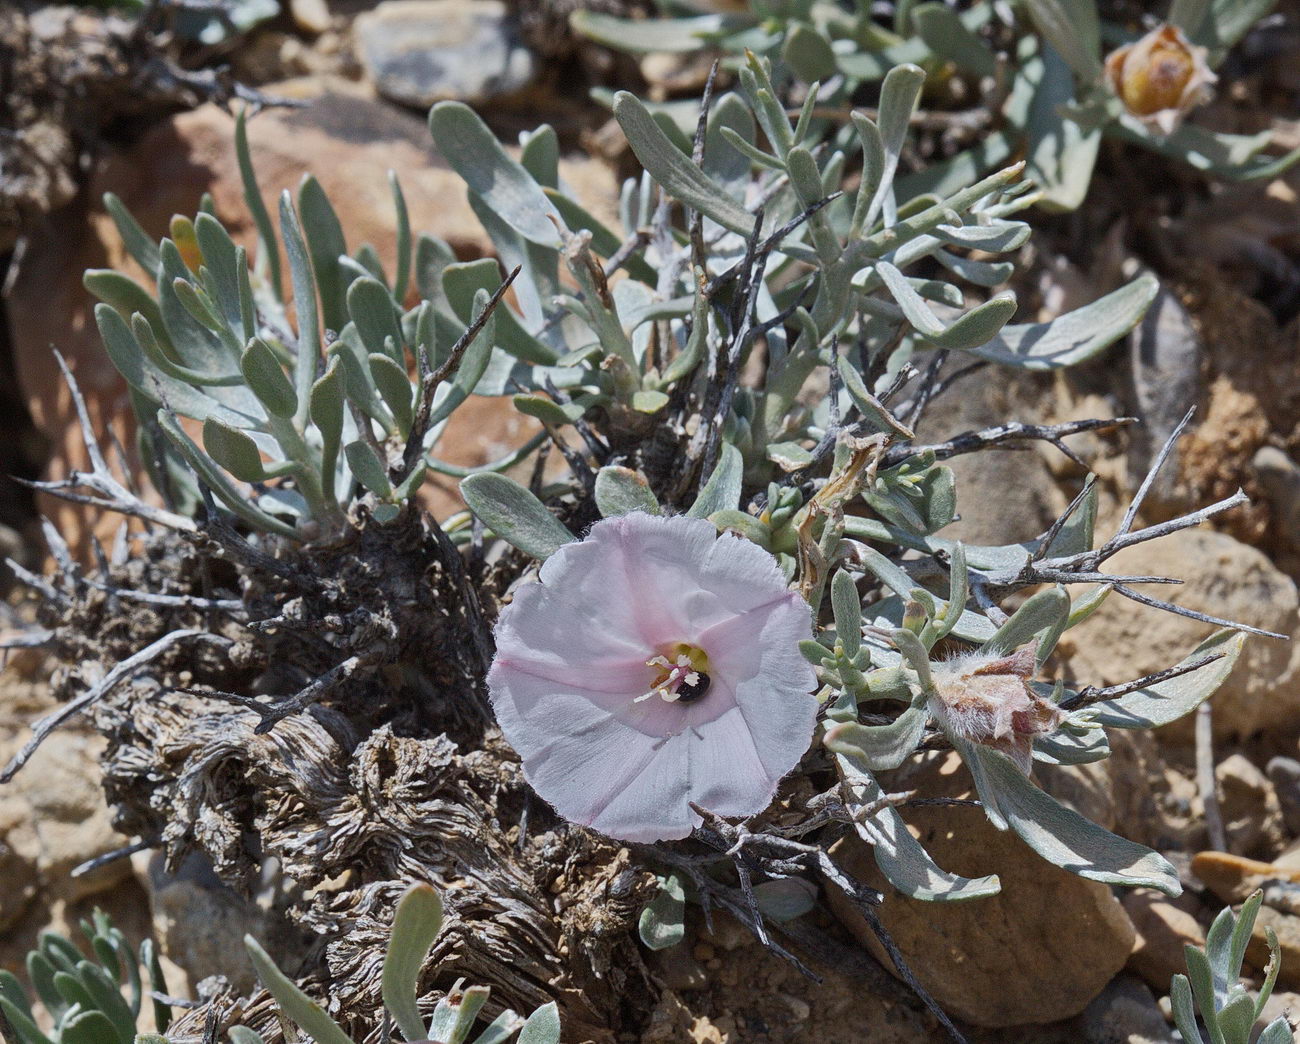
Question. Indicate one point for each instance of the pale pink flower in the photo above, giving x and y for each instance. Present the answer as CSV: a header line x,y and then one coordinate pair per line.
x,y
987,699
655,664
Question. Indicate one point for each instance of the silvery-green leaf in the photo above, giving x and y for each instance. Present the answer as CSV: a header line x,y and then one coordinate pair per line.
x,y
898,97
880,747
474,153
1229,21
906,865
1277,1032
455,1014
268,253
1180,998
947,36
789,456
1074,337
673,170
514,514
300,1009
542,1027
265,375
235,499
743,525
88,1027
395,386
472,364
1188,15
651,35
375,317
1202,980
785,898
996,237
868,405
233,450
1071,746
722,491
913,225
461,282
548,411
1065,838
416,923
304,303
1169,700
846,607
355,364
221,260
325,244
402,277
972,329
127,297
106,997
1234,156
539,154
368,469
432,256
981,273
663,920
723,161
1072,27
154,384
808,53
136,240
620,491
1061,153
1041,613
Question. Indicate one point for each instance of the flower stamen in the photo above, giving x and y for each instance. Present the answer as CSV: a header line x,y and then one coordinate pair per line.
x,y
681,674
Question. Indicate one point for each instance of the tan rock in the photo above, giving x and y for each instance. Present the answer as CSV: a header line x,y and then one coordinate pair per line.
x,y
18,879
1252,815
1037,952
1222,577
349,142
1232,878
1164,927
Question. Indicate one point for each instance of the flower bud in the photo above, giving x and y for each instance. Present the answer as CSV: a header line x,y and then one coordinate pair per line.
x,y
1160,78
986,698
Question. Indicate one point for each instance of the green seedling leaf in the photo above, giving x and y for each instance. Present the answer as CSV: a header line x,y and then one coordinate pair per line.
x,y
474,153
1062,836
880,747
672,169
974,328
325,244
846,604
416,923
786,898
139,244
1074,337
368,469
620,491
300,1009
1168,701
233,450
265,375
542,1026
514,514
722,491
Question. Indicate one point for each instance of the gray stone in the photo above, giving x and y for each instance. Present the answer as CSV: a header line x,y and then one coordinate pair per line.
x,y
1125,1012
419,52
1284,774
1280,477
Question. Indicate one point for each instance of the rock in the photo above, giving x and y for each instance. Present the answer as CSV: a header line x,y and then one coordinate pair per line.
x,y
349,143
1125,1012
419,52
60,817
1165,366
677,969
311,16
1232,878
1252,816
1057,937
201,922
1222,577
1287,928
18,878
1280,477
1164,927
1280,1003
1284,774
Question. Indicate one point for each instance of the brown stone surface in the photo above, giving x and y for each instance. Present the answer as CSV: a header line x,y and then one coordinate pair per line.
x,y
1037,952
1232,878
1164,927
